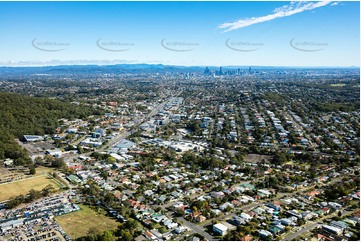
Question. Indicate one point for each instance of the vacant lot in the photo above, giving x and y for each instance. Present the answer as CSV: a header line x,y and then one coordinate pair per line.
x,y
77,224
255,158
8,190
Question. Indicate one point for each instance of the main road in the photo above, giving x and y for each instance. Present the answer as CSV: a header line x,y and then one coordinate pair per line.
x,y
127,133
196,229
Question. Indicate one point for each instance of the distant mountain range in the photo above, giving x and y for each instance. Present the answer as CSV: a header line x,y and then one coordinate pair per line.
x,y
128,69
100,69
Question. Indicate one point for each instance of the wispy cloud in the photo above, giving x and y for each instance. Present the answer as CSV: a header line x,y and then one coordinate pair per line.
x,y
284,11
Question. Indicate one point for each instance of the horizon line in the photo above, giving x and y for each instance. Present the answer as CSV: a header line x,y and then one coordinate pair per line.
x,y
174,65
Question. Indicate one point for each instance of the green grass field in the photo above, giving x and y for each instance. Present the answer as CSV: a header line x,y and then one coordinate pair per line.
x,y
77,224
338,85
8,190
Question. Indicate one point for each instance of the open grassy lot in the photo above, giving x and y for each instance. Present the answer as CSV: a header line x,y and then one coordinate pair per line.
x,y
77,224
338,85
43,170
8,190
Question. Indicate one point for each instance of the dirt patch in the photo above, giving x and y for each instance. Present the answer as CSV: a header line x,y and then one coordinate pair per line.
x,y
255,158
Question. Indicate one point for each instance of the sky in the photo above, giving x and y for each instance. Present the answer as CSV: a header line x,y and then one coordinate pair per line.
x,y
181,33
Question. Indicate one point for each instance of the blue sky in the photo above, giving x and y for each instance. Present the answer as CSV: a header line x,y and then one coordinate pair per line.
x,y
181,33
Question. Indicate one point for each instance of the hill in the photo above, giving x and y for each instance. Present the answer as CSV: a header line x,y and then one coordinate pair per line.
x,y
30,115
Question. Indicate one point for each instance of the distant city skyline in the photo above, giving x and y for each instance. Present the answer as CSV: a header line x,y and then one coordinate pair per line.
x,y
293,34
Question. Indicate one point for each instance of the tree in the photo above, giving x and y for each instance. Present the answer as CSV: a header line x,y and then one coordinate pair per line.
x,y
111,160
279,158
194,209
32,170
126,235
47,190
58,162
32,195
80,149
22,114
179,212
108,236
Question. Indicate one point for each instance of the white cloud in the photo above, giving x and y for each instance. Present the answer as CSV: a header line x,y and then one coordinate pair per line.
x,y
284,11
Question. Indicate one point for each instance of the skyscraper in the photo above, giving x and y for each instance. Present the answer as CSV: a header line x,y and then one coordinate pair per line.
x,y
207,72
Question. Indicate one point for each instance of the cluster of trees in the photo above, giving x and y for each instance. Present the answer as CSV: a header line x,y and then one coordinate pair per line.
x,y
125,232
95,195
30,115
95,235
103,157
31,196
341,189
203,161
10,149
279,158
129,230
334,107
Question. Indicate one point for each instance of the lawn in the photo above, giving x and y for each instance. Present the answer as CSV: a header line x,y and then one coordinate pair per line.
x,y
8,190
77,224
338,85
44,170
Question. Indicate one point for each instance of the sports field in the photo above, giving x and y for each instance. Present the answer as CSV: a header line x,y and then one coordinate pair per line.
x,y
77,224
38,182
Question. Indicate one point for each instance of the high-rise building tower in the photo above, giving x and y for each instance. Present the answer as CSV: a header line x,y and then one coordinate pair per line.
x,y
207,72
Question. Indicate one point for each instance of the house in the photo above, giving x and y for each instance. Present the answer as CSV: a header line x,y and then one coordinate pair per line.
x,y
238,220
140,238
275,230
351,222
54,153
169,224
274,206
335,206
91,142
326,210
264,234
225,205
236,202
180,230
167,236
332,229
158,217
149,235
220,229
229,226
201,219
339,224
311,195
258,210
8,162
263,193
156,233
286,222
216,211
247,238
217,194
247,198
162,198
246,216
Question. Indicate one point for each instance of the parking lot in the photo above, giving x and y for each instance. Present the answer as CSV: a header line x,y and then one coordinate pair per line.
x,y
35,221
